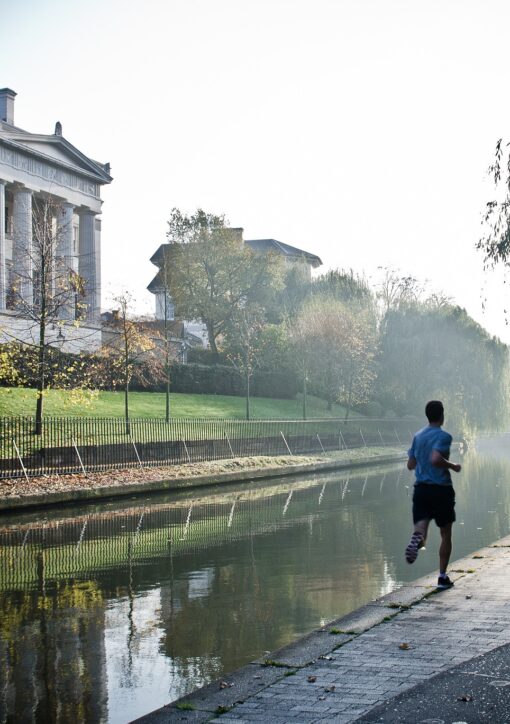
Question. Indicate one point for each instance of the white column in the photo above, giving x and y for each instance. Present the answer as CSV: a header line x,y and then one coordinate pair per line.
x,y
97,260
3,279
87,263
22,252
65,234
64,261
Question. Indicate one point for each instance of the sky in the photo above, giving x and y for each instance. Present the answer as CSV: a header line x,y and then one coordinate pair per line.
x,y
358,130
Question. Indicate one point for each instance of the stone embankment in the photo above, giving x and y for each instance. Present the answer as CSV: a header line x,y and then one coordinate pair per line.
x,y
51,490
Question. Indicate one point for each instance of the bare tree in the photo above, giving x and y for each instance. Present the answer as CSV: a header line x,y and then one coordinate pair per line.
x,y
132,348
338,349
243,345
302,343
45,291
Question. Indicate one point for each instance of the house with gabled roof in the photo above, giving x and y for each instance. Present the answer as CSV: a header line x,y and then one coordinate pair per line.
x,y
164,308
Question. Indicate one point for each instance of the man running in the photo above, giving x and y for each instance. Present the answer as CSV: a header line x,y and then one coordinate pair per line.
x,y
434,496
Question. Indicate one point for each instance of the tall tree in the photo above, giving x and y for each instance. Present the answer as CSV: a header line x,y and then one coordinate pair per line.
x,y
435,350
343,285
211,274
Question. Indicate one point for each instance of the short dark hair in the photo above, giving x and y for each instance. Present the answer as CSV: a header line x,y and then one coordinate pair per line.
x,y
434,410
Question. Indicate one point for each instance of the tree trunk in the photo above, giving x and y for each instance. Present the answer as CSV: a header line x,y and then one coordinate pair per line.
x,y
247,394
40,390
41,363
212,339
304,395
167,365
126,374
329,387
349,398
126,404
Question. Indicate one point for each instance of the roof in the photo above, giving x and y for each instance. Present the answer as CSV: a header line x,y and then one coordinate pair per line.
x,y
54,148
157,257
157,284
290,252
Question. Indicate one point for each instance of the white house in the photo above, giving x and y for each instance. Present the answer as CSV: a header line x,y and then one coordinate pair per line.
x,y
33,169
164,308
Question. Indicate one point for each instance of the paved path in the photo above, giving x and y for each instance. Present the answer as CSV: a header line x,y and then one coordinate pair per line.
x,y
358,664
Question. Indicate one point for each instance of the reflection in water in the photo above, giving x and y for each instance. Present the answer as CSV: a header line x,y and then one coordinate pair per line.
x,y
112,610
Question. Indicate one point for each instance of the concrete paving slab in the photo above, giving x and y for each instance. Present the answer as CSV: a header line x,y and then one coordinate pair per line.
x,y
171,714
473,692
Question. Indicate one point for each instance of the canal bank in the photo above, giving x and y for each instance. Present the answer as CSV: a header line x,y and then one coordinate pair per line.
x,y
404,657
22,493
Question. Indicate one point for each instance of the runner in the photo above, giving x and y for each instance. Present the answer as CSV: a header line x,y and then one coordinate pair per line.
x,y
434,496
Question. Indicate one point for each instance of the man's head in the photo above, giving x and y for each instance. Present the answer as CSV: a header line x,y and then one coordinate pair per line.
x,y
435,411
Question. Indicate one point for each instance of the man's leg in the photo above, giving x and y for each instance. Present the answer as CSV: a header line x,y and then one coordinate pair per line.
x,y
445,549
422,526
418,539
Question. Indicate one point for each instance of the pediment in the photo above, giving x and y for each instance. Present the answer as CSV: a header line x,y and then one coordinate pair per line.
x,y
60,150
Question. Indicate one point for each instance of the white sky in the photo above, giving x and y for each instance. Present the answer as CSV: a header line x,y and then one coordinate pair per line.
x,y
359,130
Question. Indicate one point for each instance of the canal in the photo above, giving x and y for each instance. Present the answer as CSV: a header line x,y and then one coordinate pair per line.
x,y
110,611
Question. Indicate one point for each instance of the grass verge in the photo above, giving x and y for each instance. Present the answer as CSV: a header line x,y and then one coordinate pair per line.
x,y
21,401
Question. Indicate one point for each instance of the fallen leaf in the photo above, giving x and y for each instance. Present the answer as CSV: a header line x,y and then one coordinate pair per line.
x,y
312,679
330,688
404,646
326,658
225,685
465,697
469,596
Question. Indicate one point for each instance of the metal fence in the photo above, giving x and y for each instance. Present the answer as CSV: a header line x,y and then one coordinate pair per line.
x,y
72,444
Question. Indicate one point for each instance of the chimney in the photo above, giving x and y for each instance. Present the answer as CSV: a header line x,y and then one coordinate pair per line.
x,y
7,97
237,233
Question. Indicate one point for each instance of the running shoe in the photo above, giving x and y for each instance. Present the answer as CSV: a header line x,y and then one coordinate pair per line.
x,y
444,582
413,546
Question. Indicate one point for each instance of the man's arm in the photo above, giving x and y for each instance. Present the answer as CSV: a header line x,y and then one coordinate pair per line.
x,y
439,461
411,462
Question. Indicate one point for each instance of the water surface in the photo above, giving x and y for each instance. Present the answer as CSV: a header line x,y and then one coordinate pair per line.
x,y
109,611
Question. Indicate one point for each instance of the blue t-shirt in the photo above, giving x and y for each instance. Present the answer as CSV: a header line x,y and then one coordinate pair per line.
x,y
424,442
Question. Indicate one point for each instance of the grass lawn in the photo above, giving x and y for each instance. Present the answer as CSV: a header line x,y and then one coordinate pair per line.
x,y
20,401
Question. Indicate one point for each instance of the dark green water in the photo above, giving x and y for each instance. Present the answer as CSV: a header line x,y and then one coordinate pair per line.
x,y
112,610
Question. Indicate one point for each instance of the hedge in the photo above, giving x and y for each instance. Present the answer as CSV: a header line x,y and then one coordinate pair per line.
x,y
225,380
212,379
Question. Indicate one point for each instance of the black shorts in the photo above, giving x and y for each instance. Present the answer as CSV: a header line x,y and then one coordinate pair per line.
x,y
434,502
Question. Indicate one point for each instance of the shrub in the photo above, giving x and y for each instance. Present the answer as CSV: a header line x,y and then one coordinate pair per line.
x,y
225,380
203,356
